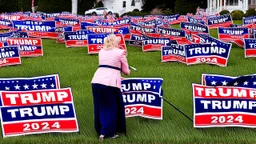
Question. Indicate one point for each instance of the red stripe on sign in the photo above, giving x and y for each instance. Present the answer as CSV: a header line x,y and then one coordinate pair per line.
x,y
94,48
39,127
225,120
250,52
76,43
173,58
10,61
143,111
211,60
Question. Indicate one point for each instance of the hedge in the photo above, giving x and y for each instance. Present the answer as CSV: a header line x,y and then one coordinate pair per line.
x,y
250,12
237,15
224,12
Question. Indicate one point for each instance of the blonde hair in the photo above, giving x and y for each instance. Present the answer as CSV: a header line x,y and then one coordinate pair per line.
x,y
111,42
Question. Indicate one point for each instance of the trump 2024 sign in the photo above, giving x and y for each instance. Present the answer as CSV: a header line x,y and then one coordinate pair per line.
x,y
37,112
143,97
224,106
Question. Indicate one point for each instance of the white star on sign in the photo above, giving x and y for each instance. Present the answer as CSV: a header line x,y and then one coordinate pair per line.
x,y
17,87
246,83
254,83
224,83
43,85
213,82
52,85
26,86
34,86
236,83
7,88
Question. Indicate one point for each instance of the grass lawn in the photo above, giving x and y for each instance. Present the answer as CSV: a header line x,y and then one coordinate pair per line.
x,y
76,68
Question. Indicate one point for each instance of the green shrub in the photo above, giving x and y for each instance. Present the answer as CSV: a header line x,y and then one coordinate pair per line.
x,y
250,12
156,11
167,12
99,4
237,14
183,7
135,14
224,12
136,10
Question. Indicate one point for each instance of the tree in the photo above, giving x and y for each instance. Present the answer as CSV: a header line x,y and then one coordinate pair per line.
x,y
99,4
187,6
148,5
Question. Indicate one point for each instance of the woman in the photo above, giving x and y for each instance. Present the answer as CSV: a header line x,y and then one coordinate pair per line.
x,y
109,115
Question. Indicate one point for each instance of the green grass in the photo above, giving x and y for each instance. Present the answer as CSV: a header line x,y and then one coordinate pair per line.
x,y
76,68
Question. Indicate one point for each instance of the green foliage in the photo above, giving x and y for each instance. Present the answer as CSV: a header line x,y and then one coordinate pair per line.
x,y
167,12
54,5
136,10
185,6
44,5
156,11
250,12
14,5
224,12
162,4
135,14
237,14
99,4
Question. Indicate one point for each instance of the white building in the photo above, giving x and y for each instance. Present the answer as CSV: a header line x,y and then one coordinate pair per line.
x,y
215,6
122,6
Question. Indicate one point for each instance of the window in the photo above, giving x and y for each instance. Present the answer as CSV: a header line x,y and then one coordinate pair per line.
x,y
252,2
133,3
124,4
232,2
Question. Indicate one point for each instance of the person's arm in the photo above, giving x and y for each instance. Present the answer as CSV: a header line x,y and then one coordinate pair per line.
x,y
124,64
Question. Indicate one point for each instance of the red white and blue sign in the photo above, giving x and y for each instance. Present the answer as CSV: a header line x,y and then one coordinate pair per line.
x,y
42,29
60,22
143,97
250,48
76,39
216,54
4,36
248,81
102,29
173,53
223,106
37,112
235,35
155,44
249,20
194,27
60,31
5,24
96,41
136,39
30,83
219,21
28,47
9,55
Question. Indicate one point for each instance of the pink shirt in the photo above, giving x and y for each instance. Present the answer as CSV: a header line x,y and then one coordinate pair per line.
x,y
107,76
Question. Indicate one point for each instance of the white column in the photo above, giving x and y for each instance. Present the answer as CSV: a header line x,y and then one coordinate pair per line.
x,y
218,6
225,4
208,5
74,6
210,1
